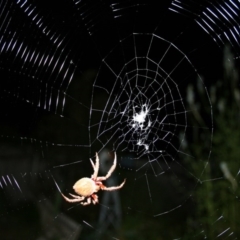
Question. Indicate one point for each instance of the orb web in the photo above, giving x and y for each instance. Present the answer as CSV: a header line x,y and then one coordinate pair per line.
x,y
80,77
142,108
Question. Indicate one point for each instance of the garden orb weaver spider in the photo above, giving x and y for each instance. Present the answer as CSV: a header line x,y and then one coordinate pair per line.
x,y
86,188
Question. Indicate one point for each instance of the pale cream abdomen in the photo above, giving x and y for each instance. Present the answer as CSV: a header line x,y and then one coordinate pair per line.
x,y
84,187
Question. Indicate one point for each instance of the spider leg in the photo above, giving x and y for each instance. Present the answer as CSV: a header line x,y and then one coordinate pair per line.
x,y
74,199
95,167
113,188
92,164
94,198
87,203
110,171
76,196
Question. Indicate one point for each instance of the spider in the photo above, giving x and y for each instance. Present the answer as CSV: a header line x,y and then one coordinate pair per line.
x,y
86,188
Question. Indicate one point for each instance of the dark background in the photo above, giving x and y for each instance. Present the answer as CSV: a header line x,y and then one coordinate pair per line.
x,y
55,55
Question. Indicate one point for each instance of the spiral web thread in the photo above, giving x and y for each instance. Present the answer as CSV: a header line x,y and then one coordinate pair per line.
x,y
138,102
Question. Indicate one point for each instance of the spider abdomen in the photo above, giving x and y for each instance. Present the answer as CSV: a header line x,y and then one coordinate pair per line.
x,y
84,187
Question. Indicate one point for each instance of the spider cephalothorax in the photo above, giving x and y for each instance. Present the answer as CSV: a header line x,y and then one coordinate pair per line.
x,y
86,188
